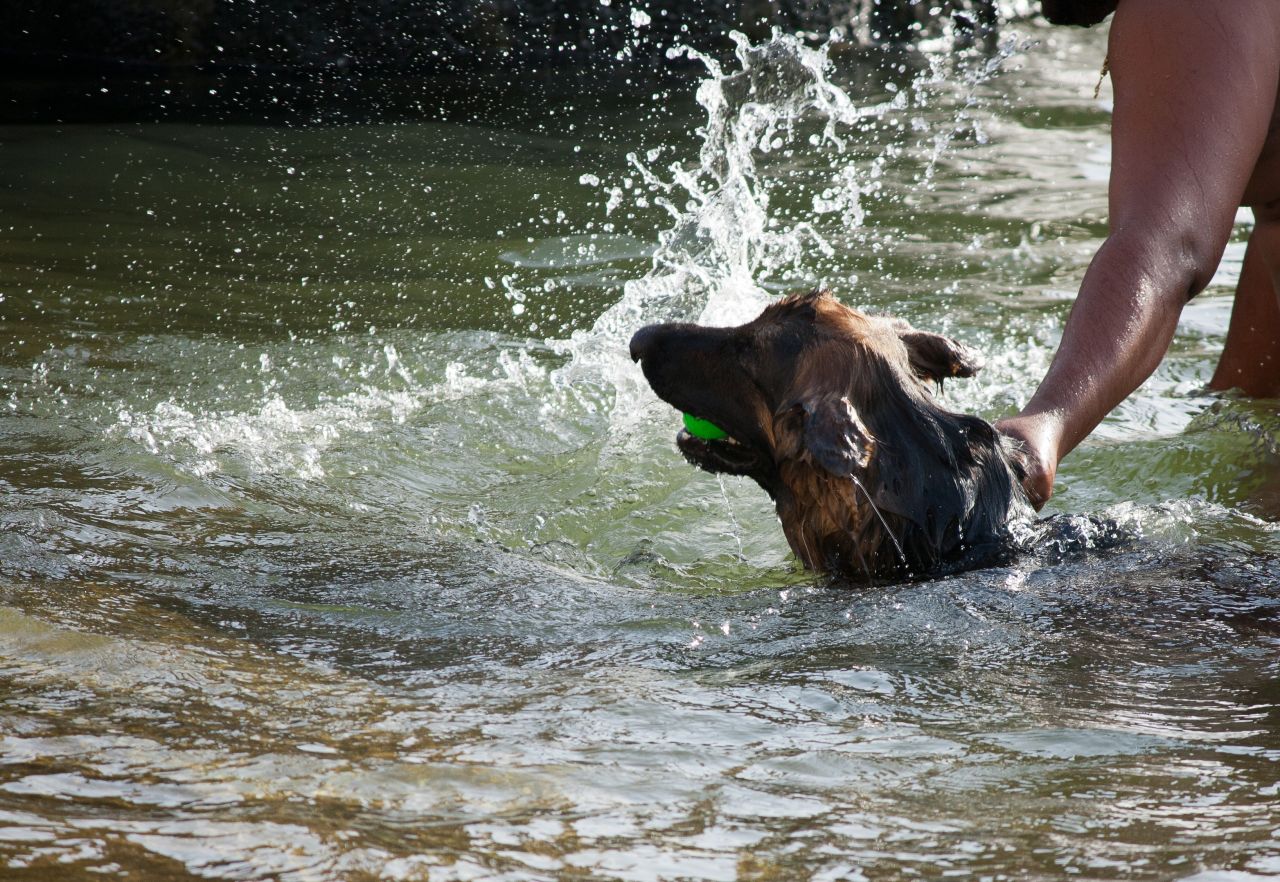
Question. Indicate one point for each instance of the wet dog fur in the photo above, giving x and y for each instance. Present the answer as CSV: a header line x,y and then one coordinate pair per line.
x,y
830,410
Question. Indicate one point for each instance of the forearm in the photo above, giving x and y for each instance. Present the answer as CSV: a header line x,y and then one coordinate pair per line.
x,y
1119,329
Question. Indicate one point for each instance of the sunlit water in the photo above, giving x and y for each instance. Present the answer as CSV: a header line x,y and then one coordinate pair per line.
x,y
342,541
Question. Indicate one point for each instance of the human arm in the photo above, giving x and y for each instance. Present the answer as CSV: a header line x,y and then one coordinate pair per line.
x,y
1195,89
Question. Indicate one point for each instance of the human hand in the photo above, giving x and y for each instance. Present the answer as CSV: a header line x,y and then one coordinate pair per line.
x,y
1037,446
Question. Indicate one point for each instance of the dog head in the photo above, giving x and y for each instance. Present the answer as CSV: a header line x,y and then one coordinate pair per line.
x,y
830,411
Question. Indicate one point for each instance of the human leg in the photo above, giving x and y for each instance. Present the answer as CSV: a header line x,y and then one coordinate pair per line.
x,y
1251,357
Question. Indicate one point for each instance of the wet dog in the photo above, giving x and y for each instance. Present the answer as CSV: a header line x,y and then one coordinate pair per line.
x,y
830,411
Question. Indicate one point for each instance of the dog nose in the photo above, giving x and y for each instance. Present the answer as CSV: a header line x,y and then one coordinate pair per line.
x,y
642,340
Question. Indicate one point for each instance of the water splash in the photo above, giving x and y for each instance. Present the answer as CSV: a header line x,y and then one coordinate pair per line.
x,y
724,241
888,531
786,164
735,527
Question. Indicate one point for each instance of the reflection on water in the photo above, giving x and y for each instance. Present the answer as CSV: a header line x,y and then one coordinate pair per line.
x,y
341,541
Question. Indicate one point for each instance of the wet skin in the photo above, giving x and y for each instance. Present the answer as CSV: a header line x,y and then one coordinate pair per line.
x,y
1196,133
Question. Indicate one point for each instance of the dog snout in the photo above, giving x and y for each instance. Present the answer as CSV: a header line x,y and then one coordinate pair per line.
x,y
642,341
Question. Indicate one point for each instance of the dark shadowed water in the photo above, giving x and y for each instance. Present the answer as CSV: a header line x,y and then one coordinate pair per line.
x,y
339,539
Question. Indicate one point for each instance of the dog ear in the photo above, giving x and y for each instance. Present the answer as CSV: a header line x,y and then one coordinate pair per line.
x,y
935,357
829,431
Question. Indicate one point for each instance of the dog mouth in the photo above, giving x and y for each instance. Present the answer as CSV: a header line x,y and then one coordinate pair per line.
x,y
725,455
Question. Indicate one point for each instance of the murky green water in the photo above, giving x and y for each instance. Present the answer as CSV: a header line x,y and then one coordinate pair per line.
x,y
341,541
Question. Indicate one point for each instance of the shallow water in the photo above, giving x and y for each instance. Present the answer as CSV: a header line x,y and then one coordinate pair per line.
x,y
342,541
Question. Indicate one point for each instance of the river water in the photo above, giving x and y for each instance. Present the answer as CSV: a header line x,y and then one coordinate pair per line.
x,y
340,540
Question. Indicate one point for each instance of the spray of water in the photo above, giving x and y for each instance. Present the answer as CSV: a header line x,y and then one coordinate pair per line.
x,y
736,236
711,264
735,527
780,184
888,531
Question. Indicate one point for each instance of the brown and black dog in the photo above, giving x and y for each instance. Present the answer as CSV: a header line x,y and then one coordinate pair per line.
x,y
830,411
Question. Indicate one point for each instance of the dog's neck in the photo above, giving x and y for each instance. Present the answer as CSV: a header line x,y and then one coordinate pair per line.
x,y
832,524
939,483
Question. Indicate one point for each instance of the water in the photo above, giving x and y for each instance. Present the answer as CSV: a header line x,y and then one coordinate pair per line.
x,y
342,541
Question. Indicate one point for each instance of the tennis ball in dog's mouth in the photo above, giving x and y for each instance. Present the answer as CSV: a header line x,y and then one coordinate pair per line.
x,y
704,429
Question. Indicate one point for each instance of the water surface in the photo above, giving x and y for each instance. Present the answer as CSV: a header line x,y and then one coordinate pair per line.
x,y
342,541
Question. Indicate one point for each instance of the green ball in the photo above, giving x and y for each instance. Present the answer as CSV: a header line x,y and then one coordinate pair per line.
x,y
703,429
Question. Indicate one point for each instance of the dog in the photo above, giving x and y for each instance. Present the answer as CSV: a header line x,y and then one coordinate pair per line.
x,y
830,411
